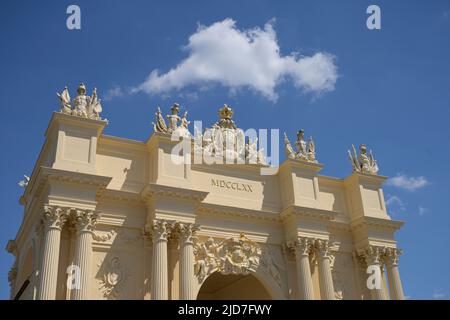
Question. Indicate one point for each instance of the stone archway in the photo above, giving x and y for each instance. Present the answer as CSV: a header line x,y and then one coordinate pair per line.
x,y
222,264
233,287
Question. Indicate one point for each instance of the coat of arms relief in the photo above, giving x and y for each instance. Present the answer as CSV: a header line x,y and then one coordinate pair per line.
x,y
235,255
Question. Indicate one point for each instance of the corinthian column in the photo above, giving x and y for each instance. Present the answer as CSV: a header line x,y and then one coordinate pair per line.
x,y
301,249
187,235
325,278
84,223
53,220
160,282
373,256
395,284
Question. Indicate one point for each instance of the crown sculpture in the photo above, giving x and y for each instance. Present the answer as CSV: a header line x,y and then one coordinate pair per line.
x,y
223,139
363,163
83,105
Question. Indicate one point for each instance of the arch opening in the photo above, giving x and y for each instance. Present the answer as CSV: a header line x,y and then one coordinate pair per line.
x,y
232,287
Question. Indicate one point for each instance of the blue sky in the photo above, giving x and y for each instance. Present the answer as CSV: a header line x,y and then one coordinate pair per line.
x,y
392,92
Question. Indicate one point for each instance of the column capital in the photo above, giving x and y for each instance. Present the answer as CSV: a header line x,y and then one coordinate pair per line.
x,y
186,232
322,248
84,220
54,217
302,246
373,254
160,230
392,255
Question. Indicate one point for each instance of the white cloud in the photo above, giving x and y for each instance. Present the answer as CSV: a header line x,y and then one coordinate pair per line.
x,y
423,211
439,295
221,53
394,200
114,93
408,183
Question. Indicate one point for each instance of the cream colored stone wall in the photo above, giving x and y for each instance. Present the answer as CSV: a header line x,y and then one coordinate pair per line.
x,y
131,183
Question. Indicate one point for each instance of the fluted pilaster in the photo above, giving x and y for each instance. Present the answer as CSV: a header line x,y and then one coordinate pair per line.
x,y
301,249
160,286
53,221
395,284
373,256
322,248
84,221
186,232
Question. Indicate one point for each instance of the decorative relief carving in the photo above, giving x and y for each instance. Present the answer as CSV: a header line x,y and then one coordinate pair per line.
x,y
104,236
186,232
392,255
54,217
84,220
379,255
114,278
231,256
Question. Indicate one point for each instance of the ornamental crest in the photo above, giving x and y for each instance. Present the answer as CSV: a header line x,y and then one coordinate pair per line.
x,y
231,256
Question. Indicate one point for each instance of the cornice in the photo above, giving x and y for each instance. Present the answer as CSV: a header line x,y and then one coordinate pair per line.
x,y
120,195
362,178
112,141
373,222
153,189
45,174
82,122
299,211
301,164
209,208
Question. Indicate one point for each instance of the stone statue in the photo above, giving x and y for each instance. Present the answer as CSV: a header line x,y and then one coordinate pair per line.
x,y
289,151
306,150
301,145
311,150
173,126
262,157
182,131
95,107
160,125
174,118
363,163
83,105
64,99
252,152
184,122
81,102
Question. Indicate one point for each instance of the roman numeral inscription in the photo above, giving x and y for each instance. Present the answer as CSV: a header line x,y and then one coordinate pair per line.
x,y
238,186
